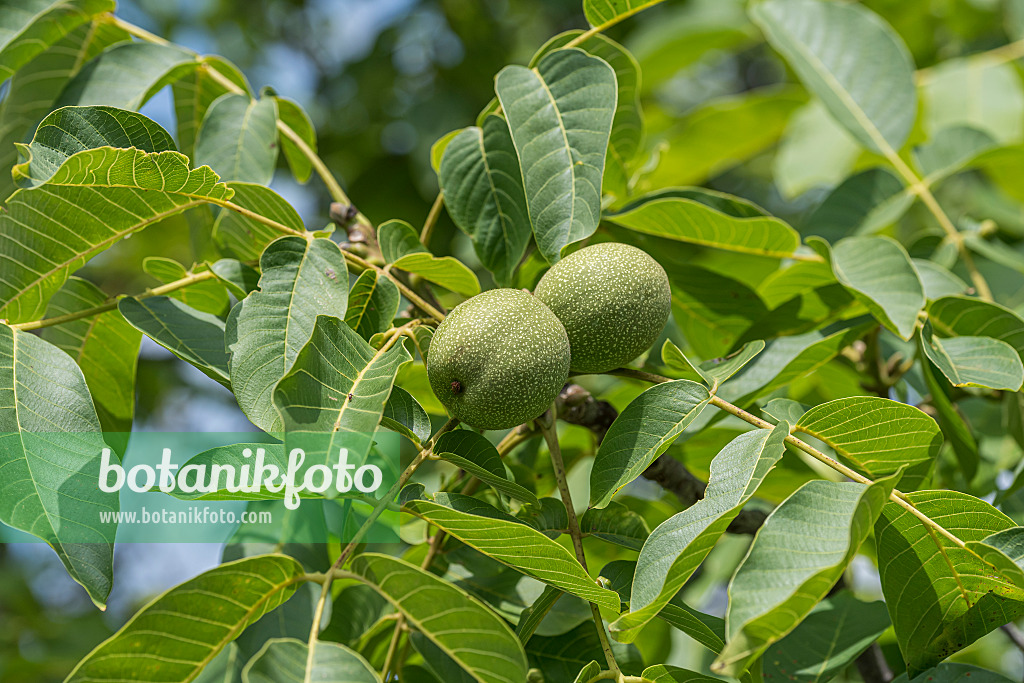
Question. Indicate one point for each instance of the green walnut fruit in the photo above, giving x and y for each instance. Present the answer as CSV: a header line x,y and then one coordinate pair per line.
x,y
498,359
614,301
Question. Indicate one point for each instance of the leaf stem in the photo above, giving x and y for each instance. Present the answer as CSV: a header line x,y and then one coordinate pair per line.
x,y
412,296
896,496
110,305
382,504
137,31
589,33
917,186
260,218
435,212
435,547
549,428
329,181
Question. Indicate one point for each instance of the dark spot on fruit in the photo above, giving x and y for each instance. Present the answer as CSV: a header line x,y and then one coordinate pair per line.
x,y
456,386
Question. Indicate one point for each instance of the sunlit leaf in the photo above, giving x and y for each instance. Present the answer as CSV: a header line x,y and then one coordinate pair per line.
x,y
128,75
827,521
295,117
879,273
336,390
876,436
974,361
941,597
300,280
50,445
238,138
30,26
287,660
560,116
49,231
676,548
70,130
179,632
686,220
468,632
483,189
509,541
372,304
852,60
642,432
193,336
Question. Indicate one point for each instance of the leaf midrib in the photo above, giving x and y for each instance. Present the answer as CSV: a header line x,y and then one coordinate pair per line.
x,y
876,136
100,246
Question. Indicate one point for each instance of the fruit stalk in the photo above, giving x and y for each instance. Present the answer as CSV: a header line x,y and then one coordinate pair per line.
x,y
549,428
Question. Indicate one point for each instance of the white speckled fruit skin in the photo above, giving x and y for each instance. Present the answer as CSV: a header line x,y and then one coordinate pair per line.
x,y
509,353
614,301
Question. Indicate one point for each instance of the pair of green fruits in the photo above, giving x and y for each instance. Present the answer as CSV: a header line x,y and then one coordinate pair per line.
x,y
500,358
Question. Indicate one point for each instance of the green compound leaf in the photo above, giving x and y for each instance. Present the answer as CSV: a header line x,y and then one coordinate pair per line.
x,y
560,116
642,432
878,271
286,660
445,271
372,304
193,336
398,239
196,90
176,635
265,332
676,548
93,201
34,89
510,541
876,436
941,597
467,631
974,361
483,190
687,220
50,445
852,60
827,521
628,123
70,130
238,138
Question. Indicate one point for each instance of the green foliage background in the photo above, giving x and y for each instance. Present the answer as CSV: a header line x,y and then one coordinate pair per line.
x,y
726,110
